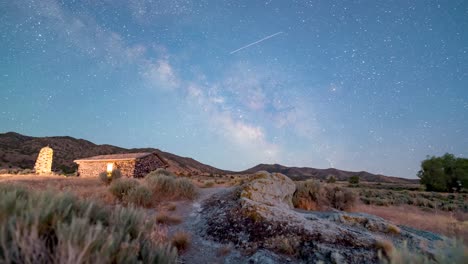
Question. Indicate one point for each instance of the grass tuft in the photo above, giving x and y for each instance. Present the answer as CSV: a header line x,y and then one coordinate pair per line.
x,y
181,240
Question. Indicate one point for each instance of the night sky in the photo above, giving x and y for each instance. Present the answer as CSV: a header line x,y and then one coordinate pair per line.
x,y
355,85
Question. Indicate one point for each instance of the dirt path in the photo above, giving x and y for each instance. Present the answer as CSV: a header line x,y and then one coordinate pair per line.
x,y
200,250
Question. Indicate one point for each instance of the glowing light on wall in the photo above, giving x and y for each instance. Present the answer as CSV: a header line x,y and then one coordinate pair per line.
x,y
110,168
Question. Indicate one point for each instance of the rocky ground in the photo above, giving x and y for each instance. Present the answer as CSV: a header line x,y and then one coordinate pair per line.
x,y
255,223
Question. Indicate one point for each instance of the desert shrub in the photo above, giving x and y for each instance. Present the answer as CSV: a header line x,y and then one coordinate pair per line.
x,y
307,195
181,240
122,187
170,186
340,198
45,227
354,180
108,179
331,179
208,184
140,195
185,188
384,248
393,229
160,171
312,195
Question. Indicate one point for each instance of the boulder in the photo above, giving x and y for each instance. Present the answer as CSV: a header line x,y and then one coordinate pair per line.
x,y
258,217
272,189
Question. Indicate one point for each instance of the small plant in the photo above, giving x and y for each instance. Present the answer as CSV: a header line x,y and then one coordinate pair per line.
x,y
181,240
208,184
331,179
140,196
160,171
393,229
384,247
185,188
107,178
313,195
122,187
354,180
170,186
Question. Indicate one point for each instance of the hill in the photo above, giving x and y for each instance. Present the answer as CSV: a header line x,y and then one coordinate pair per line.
x,y
20,151
303,173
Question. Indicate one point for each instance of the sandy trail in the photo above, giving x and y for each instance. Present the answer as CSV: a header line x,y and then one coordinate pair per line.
x,y
200,250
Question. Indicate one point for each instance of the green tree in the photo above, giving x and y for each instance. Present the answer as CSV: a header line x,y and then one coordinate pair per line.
x,y
444,174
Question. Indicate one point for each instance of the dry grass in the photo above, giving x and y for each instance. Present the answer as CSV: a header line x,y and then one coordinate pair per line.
x,y
85,188
446,223
385,247
181,240
393,229
164,218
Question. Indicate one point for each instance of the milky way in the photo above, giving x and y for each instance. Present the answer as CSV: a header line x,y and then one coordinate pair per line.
x,y
367,85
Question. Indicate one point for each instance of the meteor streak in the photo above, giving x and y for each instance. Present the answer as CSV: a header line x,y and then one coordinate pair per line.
x,y
256,42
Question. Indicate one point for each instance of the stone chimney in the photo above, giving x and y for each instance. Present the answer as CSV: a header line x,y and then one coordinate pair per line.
x,y
44,161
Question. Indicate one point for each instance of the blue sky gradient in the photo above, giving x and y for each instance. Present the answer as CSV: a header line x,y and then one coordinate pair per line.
x,y
356,85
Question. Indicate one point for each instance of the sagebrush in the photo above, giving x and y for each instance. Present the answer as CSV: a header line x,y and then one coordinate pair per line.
x,y
43,227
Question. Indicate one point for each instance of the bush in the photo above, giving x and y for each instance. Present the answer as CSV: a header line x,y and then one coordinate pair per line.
x,y
108,179
122,187
181,240
208,184
340,198
354,180
140,196
170,186
331,179
185,188
59,228
312,195
160,171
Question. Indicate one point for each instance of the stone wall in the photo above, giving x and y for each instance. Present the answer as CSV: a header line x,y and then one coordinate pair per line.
x,y
148,164
44,161
93,168
128,168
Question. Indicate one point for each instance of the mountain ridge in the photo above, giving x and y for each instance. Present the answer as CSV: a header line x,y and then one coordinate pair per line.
x,y
20,151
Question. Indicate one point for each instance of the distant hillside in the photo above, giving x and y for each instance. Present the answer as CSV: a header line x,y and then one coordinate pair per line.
x,y
304,173
19,151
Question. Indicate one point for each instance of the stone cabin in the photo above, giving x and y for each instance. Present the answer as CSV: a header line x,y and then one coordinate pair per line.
x,y
130,164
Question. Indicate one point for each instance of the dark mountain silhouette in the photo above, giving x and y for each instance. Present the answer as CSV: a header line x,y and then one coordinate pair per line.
x,y
20,151
302,173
